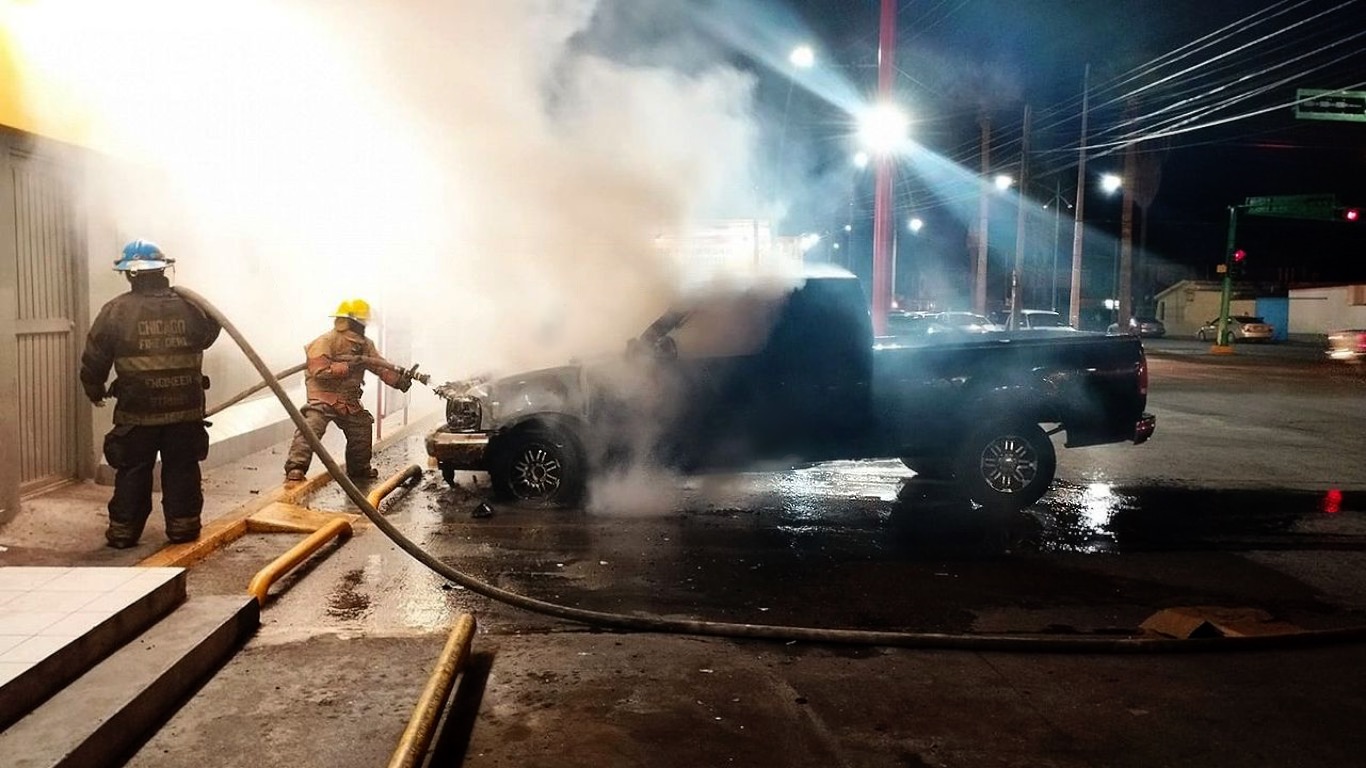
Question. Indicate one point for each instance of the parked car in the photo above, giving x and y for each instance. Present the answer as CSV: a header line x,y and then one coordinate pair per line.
x,y
736,382
1240,328
1147,327
1032,319
966,321
903,324
1347,345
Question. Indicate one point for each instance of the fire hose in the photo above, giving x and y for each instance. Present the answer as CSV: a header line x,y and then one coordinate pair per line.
x,y
657,624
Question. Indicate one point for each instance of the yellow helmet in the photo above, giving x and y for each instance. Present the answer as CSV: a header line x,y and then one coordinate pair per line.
x,y
354,309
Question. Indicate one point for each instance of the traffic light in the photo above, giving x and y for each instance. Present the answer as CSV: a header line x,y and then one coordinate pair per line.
x,y
1236,262
1351,214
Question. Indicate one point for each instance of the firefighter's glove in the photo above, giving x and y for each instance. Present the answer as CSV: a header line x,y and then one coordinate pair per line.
x,y
339,370
404,382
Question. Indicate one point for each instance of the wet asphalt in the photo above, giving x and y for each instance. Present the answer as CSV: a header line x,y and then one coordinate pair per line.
x,y
1250,496
1126,531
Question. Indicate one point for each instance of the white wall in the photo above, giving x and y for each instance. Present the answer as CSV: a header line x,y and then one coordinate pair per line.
x,y
1321,310
1184,311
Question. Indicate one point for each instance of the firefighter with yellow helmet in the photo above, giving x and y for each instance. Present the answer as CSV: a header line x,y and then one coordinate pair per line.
x,y
337,362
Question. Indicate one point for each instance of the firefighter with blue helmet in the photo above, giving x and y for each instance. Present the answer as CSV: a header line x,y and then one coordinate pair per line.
x,y
154,341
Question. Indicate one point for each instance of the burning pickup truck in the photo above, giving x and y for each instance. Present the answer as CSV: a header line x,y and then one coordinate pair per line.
x,y
768,378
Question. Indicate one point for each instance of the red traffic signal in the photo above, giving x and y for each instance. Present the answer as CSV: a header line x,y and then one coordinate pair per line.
x,y
1239,256
1351,214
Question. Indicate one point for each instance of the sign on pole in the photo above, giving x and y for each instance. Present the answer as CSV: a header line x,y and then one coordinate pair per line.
x,y
1321,207
1320,104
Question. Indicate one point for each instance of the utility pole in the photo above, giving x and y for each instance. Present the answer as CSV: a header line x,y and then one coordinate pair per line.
x,y
1126,252
882,195
979,294
1057,221
1221,344
1074,308
1018,272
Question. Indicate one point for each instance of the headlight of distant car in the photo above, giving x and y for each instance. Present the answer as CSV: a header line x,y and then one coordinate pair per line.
x,y
463,413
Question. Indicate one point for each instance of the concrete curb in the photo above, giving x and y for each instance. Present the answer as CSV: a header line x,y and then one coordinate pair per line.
x,y
236,524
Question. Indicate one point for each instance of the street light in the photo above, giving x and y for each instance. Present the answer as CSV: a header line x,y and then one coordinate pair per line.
x,y
861,160
802,57
1111,183
916,224
1003,182
883,128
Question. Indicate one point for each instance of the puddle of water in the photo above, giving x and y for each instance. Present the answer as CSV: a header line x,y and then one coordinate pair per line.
x,y
346,603
1102,517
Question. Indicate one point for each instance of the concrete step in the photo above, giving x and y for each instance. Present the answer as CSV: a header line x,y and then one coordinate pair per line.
x,y
57,623
103,716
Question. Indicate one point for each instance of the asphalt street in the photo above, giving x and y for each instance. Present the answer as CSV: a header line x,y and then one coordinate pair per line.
x,y
1249,497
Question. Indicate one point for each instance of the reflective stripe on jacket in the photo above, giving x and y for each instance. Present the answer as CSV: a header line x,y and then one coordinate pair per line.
x,y
154,340
342,393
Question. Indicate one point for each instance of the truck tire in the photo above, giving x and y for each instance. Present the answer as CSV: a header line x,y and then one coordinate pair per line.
x,y
540,465
1006,466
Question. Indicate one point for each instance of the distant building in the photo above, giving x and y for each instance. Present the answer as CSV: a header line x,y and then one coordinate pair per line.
x,y
1321,309
1189,304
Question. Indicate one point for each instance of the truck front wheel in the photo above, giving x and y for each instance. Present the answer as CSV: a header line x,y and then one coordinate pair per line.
x,y
538,464
1007,466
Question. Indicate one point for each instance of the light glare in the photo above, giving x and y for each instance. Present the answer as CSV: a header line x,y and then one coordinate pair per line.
x,y
802,57
883,128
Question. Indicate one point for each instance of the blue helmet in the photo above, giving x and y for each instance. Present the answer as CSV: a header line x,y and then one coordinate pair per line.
x,y
141,256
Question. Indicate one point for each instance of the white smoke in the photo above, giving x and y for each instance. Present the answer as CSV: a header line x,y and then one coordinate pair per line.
x,y
472,165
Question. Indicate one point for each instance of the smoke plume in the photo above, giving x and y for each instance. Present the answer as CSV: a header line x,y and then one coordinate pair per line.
x,y
486,174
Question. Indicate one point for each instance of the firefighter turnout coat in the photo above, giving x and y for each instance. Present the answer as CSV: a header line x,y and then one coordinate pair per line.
x,y
155,341
337,362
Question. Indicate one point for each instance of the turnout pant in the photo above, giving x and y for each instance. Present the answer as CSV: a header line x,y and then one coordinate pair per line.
x,y
132,452
356,426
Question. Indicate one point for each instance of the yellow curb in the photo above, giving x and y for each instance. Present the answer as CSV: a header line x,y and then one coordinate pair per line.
x,y
215,536
262,581
283,517
226,529
234,525
1227,349
292,493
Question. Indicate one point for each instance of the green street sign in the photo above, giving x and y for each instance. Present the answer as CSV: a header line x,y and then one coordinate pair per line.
x,y
1320,104
1318,207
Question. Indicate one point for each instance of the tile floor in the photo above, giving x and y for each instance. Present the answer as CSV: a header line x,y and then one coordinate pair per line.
x,y
42,610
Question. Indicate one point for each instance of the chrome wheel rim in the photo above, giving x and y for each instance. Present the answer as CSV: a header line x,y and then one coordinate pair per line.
x,y
536,473
1009,464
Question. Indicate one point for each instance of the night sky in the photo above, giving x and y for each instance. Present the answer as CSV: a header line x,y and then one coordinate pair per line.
x,y
963,58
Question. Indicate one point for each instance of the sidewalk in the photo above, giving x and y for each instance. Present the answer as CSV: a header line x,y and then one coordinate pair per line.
x,y
65,526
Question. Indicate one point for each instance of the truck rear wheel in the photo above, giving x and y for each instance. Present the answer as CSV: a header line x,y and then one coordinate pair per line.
x,y
540,465
1006,466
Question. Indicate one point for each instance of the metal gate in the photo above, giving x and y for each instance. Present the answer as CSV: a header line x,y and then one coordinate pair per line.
x,y
46,247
